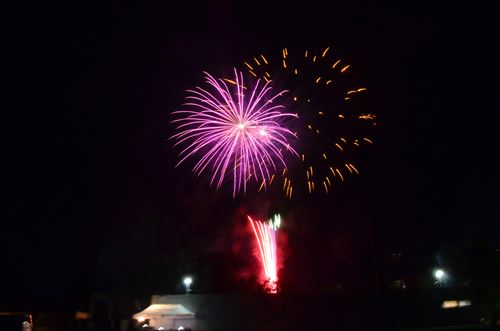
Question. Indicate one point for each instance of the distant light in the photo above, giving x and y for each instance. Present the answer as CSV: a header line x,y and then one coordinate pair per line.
x,y
161,328
464,303
141,319
241,126
455,304
439,274
180,328
82,315
262,132
145,325
449,304
188,281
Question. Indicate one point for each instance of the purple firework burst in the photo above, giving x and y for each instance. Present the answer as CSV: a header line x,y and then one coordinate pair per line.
x,y
234,129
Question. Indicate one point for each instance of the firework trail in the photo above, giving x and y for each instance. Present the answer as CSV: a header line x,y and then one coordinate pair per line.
x,y
233,128
265,235
333,124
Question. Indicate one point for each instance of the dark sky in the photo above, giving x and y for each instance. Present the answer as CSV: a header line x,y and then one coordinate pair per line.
x,y
93,200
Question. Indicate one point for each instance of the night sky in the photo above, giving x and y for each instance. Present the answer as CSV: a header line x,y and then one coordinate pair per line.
x,y
93,202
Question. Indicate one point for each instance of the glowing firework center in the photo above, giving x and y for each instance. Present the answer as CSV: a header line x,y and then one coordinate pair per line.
x,y
234,131
265,235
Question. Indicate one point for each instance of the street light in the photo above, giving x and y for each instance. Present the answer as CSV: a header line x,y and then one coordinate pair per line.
x,y
187,283
440,276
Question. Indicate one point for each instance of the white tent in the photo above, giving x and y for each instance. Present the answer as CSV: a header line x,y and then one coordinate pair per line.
x,y
167,317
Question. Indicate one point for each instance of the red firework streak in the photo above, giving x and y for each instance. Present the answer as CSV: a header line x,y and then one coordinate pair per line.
x,y
265,234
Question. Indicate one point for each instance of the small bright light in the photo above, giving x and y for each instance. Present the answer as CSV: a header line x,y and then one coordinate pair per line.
x,y
180,328
141,319
145,325
455,304
161,328
439,274
277,220
449,304
464,303
241,126
188,281
262,132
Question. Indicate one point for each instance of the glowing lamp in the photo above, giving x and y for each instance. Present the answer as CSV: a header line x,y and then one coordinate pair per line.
x,y
187,283
439,274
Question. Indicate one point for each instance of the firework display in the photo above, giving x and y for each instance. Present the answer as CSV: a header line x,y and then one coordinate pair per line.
x,y
265,236
306,138
235,130
332,126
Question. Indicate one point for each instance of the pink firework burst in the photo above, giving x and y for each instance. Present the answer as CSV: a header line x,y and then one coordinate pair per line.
x,y
234,129
265,235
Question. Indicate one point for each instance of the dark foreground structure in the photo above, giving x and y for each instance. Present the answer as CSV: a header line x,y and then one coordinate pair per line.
x,y
392,310
400,310
280,312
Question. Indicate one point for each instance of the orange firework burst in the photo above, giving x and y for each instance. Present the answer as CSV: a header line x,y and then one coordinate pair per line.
x,y
333,121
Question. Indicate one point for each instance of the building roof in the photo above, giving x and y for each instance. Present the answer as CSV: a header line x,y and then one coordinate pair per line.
x,y
163,310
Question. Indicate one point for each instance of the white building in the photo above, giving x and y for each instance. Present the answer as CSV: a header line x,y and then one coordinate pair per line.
x,y
167,317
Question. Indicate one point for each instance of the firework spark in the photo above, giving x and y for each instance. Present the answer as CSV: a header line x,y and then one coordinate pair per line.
x,y
234,128
265,235
331,127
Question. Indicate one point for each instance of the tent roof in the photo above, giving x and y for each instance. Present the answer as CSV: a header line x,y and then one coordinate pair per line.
x,y
163,310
